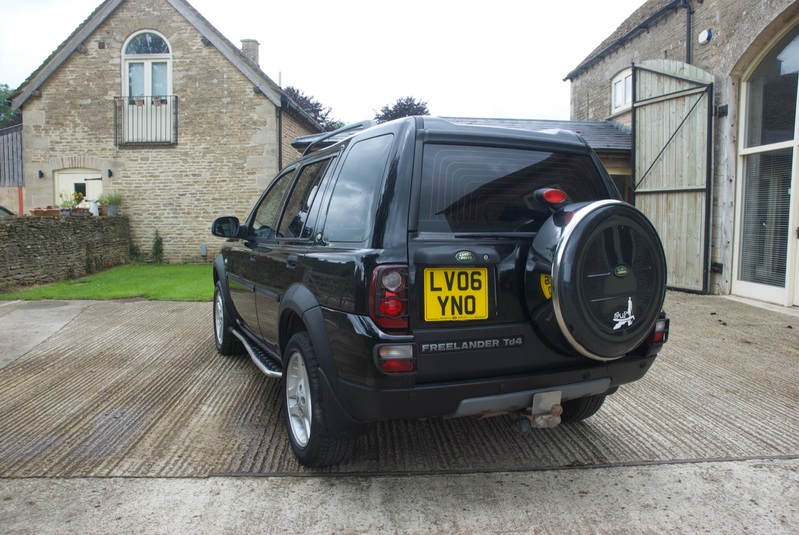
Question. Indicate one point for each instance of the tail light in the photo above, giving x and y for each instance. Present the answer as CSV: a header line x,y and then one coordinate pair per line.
x,y
396,358
661,332
388,298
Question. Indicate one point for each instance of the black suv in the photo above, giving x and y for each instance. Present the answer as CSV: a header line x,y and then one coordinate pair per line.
x,y
423,269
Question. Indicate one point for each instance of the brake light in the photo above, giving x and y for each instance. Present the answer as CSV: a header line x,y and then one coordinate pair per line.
x,y
556,198
397,366
388,297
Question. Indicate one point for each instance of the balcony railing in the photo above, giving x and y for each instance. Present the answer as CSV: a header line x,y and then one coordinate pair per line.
x,y
146,120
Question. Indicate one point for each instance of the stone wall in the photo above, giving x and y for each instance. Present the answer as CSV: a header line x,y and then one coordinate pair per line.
x,y
38,250
226,153
742,30
739,27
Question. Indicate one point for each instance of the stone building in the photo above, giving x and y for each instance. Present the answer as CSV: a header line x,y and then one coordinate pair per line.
x,y
147,99
709,89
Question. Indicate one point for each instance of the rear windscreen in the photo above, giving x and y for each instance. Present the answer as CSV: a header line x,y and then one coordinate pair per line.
x,y
489,189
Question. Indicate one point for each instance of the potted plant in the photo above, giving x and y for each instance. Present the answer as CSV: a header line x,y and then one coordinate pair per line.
x,y
70,202
46,212
109,203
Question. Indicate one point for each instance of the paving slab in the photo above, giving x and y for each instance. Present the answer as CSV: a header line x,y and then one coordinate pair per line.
x,y
713,497
118,407
24,325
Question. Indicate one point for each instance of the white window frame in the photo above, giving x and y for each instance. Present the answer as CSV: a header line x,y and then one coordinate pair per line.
x,y
789,294
148,115
623,81
148,60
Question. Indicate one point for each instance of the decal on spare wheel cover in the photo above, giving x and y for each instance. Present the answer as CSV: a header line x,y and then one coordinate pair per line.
x,y
626,317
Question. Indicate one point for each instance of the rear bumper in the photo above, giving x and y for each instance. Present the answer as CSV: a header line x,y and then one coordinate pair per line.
x,y
462,398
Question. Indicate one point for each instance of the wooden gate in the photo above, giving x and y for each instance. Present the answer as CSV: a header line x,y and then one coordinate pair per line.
x,y
11,157
672,163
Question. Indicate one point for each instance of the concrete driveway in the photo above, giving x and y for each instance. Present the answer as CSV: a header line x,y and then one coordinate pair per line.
x,y
120,417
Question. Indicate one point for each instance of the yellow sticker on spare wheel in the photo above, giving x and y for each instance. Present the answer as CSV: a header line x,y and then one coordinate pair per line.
x,y
455,294
546,285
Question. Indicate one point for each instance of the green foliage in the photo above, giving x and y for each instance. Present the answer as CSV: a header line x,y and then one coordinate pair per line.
x,y
158,249
315,109
155,282
403,107
90,261
135,253
7,115
109,198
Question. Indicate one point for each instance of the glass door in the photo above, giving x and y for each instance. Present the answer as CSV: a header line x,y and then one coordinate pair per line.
x,y
147,86
767,266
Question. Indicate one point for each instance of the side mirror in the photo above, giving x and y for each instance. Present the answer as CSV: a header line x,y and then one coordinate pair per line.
x,y
226,227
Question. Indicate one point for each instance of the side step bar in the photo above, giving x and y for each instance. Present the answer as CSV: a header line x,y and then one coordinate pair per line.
x,y
264,362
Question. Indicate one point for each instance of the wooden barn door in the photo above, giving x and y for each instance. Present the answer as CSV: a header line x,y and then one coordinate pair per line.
x,y
672,163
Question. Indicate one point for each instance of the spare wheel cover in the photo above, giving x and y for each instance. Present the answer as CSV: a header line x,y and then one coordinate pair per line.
x,y
608,279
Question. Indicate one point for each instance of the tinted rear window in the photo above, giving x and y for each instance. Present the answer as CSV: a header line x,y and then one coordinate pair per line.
x,y
487,189
350,216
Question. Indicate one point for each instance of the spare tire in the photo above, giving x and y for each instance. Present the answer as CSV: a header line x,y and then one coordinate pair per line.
x,y
608,272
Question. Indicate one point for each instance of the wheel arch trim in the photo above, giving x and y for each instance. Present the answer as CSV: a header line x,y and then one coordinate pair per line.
x,y
299,303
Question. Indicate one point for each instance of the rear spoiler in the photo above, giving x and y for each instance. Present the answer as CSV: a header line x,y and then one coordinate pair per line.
x,y
316,141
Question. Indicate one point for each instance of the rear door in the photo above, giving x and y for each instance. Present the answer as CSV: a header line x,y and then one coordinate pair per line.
x,y
280,263
477,218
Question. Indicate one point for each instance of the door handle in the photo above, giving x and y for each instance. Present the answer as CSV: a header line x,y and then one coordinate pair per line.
x,y
291,261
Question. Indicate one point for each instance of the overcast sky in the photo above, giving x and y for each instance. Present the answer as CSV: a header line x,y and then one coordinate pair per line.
x,y
502,58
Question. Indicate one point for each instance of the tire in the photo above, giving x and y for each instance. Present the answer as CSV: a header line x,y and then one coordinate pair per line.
x,y
226,343
314,442
608,274
579,409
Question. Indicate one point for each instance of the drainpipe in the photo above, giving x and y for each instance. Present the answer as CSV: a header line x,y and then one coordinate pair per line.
x,y
283,102
689,11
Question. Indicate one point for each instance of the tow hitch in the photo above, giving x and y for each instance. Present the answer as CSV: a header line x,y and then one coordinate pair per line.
x,y
545,412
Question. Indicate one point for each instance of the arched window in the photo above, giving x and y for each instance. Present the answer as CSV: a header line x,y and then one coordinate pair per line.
x,y
769,148
147,61
147,110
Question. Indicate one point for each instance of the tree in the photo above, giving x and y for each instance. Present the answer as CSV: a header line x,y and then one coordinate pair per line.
x,y
312,107
404,107
8,117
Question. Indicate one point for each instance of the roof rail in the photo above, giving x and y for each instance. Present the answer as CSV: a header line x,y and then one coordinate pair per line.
x,y
363,125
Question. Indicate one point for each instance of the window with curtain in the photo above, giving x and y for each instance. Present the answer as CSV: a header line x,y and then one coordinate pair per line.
x,y
148,65
147,110
769,140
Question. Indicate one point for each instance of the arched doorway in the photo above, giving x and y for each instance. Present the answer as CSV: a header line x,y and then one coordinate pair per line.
x,y
88,182
767,208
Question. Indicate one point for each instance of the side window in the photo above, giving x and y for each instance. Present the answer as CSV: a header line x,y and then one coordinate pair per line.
x,y
267,211
622,91
350,217
296,221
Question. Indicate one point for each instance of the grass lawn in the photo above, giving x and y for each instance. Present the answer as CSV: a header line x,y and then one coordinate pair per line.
x,y
155,282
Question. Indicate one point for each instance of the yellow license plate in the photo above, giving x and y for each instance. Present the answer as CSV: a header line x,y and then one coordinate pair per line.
x,y
455,294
